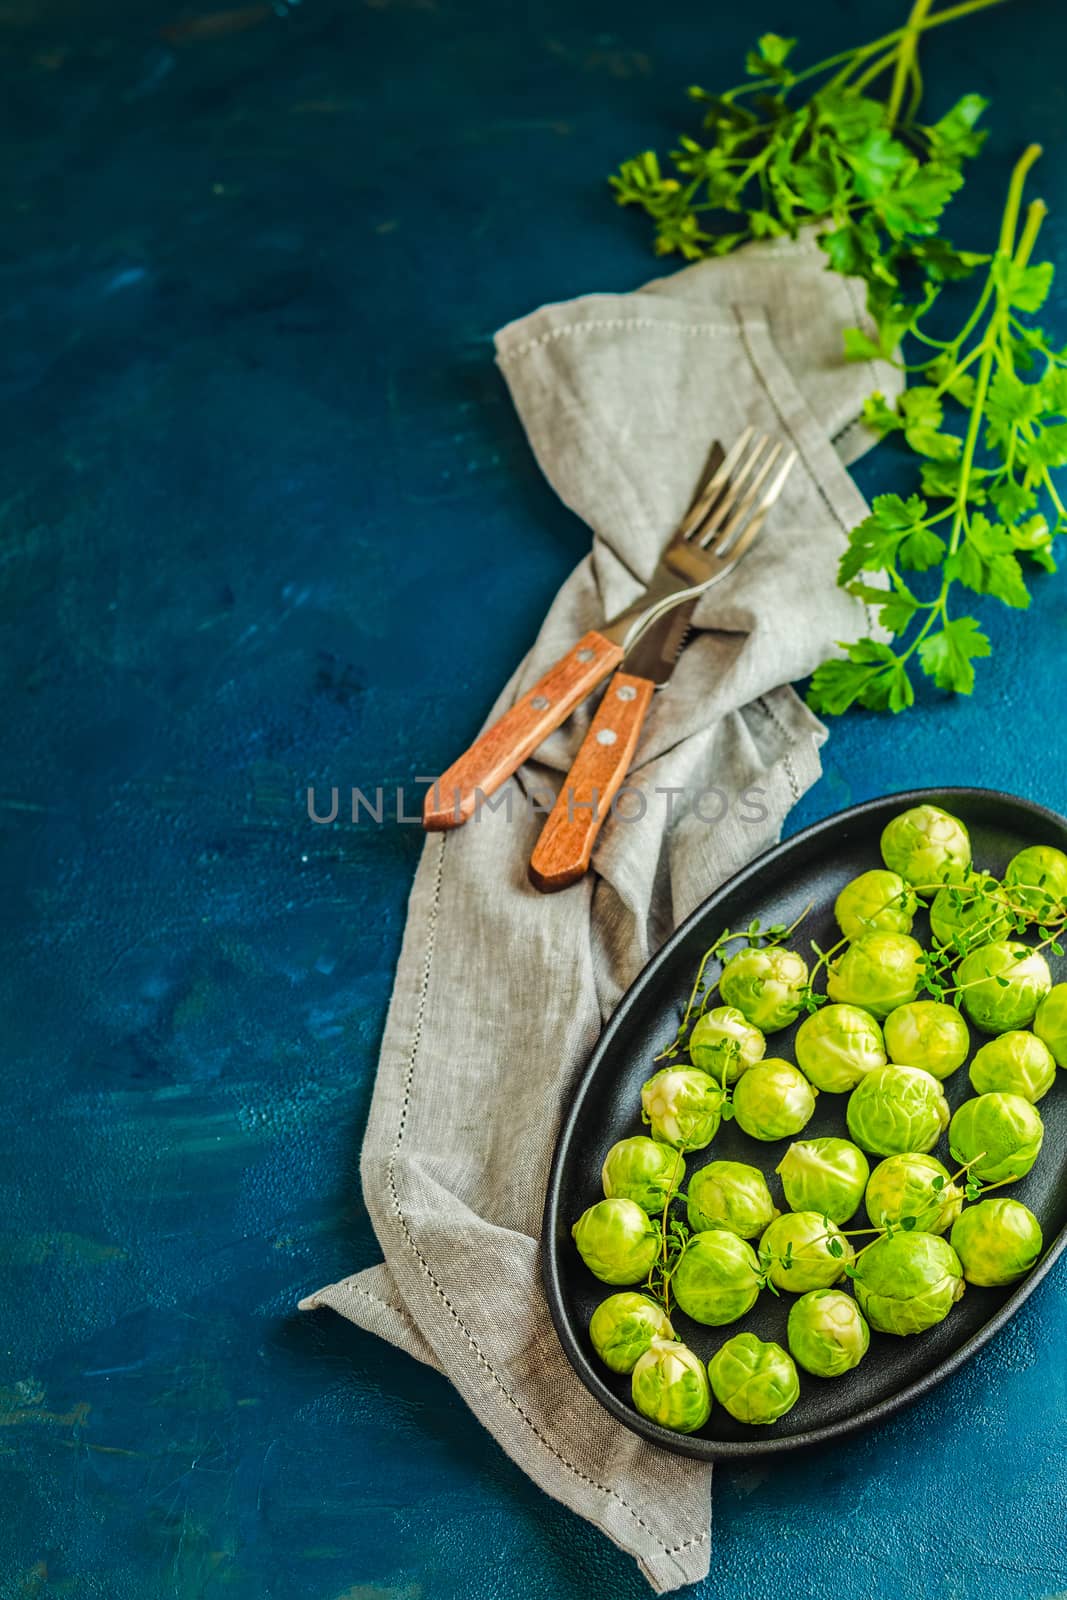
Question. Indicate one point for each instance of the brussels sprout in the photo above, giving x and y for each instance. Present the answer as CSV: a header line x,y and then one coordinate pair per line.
x,y
913,1186
878,973
670,1386
824,1175
623,1327
997,1242
766,985
927,1034
827,1333
837,1045
772,1100
1037,877
755,1380
730,1195
906,1282
644,1171
875,902
927,846
1000,984
682,1106
897,1110
1050,1023
717,1277
1014,1063
723,1044
802,1250
997,1136
617,1241
969,914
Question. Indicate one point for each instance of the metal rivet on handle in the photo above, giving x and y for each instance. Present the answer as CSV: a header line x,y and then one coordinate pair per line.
x,y
606,736
627,692
540,703
586,655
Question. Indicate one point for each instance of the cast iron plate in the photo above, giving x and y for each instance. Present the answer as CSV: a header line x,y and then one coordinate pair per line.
x,y
813,866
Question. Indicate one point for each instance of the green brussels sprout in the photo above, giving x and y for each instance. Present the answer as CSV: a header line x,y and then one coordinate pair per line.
x,y
644,1171
723,1044
824,1175
927,846
755,1380
617,1241
1001,984
803,1250
730,1195
670,1386
1037,877
877,973
997,1136
717,1277
927,1034
766,985
773,1099
997,1242
682,1106
907,1282
836,1045
623,1327
913,1186
970,914
875,902
827,1333
1050,1022
1014,1063
897,1110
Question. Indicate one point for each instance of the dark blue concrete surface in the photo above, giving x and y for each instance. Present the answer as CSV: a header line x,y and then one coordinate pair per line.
x,y
259,477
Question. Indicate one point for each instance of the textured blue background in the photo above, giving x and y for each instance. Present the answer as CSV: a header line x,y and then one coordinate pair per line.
x,y
260,479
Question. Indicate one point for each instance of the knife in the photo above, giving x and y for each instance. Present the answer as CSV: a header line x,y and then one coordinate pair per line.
x,y
565,847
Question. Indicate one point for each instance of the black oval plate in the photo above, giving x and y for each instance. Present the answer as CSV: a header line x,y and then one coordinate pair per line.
x,y
811,867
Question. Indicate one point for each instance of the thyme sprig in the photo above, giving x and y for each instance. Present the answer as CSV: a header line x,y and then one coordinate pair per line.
x,y
704,988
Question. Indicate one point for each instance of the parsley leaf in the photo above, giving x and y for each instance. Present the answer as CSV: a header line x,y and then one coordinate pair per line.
x,y
1025,288
947,656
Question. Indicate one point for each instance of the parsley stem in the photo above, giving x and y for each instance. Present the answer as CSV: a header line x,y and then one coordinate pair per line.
x,y
906,58
1036,212
917,90
970,444
861,53
883,64
994,332
960,367
955,12
1046,478
1010,220
976,315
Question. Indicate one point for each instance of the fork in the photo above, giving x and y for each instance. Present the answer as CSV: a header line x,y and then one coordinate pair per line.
x,y
711,539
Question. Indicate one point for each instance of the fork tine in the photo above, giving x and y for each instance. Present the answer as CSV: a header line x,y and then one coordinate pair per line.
x,y
713,488
747,501
702,532
748,535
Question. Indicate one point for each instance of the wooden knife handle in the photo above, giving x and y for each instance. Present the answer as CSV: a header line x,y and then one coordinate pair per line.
x,y
503,748
565,847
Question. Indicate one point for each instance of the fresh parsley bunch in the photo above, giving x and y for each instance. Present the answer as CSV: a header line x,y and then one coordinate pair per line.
x,y
987,483
846,157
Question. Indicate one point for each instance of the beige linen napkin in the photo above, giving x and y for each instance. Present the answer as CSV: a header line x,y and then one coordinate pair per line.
x,y
500,992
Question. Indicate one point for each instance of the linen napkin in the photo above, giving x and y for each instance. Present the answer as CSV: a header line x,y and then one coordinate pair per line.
x,y
501,992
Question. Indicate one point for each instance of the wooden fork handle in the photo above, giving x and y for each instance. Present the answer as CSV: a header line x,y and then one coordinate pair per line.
x,y
565,847
503,748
